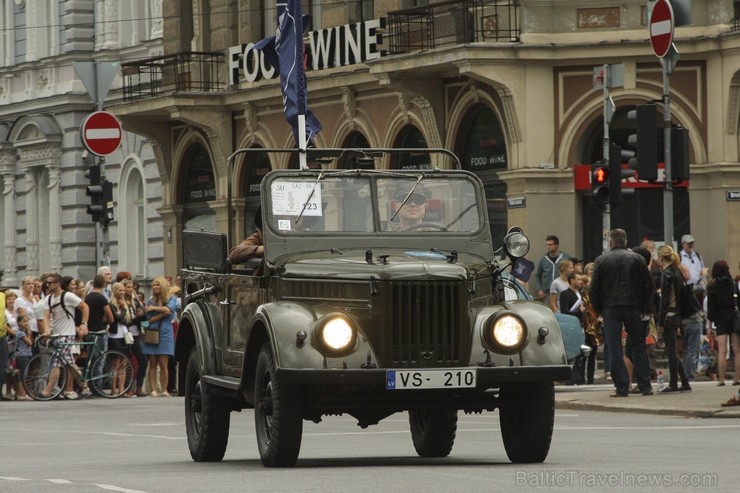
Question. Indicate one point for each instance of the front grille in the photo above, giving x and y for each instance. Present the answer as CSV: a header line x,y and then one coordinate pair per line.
x,y
424,323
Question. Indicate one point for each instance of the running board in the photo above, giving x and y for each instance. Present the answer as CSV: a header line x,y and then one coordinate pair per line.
x,y
225,382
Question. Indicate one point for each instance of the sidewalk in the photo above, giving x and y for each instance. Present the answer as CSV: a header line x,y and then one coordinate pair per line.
x,y
704,401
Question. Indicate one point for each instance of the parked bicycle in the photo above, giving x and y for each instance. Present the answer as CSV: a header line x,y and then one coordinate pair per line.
x,y
109,374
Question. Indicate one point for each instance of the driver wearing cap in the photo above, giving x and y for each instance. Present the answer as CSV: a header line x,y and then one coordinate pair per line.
x,y
412,211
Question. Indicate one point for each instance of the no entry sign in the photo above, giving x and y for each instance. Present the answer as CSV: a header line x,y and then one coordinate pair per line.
x,y
661,28
101,133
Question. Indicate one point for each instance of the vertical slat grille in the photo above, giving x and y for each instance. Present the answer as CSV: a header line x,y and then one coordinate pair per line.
x,y
425,323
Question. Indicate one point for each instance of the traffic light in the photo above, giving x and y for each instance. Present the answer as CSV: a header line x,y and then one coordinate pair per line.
x,y
600,183
95,192
645,141
679,153
616,175
107,202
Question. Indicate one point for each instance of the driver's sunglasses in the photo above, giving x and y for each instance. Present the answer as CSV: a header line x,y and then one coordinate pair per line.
x,y
416,199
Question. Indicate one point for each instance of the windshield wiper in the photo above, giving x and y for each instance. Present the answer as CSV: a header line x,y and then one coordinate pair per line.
x,y
310,195
451,257
406,199
460,216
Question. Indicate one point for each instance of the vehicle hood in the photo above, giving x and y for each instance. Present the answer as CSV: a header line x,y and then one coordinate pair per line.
x,y
391,264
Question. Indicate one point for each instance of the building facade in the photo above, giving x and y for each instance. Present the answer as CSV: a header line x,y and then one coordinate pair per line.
x,y
507,85
44,225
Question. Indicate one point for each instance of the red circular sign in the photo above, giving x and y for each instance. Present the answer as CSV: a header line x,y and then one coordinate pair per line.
x,y
661,28
101,133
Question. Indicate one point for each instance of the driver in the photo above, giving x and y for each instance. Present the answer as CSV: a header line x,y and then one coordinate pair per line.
x,y
412,212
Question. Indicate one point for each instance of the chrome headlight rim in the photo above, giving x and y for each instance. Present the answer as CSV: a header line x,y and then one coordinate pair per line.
x,y
321,337
516,243
496,344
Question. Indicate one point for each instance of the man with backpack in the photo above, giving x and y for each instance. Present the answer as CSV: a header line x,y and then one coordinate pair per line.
x,y
60,315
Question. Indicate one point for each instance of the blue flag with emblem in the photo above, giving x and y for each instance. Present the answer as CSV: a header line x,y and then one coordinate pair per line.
x,y
284,52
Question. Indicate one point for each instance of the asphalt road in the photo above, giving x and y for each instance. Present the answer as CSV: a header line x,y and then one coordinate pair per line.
x,y
138,445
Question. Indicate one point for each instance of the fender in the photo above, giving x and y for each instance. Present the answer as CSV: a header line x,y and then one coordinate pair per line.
x,y
284,319
203,332
551,352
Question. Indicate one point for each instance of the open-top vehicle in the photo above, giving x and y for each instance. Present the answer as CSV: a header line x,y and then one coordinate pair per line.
x,y
354,312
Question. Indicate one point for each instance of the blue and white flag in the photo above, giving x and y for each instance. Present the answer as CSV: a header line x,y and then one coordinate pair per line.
x,y
284,52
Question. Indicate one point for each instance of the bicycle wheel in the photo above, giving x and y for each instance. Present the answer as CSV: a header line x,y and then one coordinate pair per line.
x,y
36,377
113,374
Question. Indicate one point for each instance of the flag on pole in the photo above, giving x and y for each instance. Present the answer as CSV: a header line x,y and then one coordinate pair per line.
x,y
284,52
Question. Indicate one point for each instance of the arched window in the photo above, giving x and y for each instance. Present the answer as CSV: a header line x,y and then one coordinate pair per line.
x,y
482,150
256,166
131,212
200,187
410,137
355,140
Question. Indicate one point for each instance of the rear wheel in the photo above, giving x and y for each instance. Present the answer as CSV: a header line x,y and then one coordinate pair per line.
x,y
278,415
112,374
207,418
433,431
36,376
527,417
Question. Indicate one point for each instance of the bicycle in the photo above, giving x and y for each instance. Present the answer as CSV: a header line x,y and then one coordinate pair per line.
x,y
109,373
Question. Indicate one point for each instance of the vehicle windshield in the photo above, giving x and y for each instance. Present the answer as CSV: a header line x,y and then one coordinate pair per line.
x,y
380,203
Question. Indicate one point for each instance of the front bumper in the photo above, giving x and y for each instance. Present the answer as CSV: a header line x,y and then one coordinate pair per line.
x,y
487,378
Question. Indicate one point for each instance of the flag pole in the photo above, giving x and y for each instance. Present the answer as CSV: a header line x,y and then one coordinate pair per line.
x,y
302,141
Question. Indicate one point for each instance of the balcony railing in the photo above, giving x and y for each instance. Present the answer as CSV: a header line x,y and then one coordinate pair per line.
x,y
167,74
450,23
736,16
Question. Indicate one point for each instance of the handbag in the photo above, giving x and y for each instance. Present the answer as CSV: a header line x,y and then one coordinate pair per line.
x,y
736,320
128,337
151,336
688,304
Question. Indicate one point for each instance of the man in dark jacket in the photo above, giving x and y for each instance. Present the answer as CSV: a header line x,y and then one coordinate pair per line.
x,y
620,292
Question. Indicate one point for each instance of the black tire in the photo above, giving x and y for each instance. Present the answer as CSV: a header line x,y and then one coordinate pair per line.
x,y
278,415
433,431
527,417
207,418
36,376
109,368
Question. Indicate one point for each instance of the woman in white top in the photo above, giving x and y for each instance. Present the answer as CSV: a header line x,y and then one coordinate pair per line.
x,y
26,301
122,316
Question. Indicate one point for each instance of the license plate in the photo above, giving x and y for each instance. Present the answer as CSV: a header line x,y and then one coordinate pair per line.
x,y
430,379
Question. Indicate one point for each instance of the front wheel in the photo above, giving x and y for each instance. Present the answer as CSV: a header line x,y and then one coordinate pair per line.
x,y
527,417
433,431
207,418
278,415
112,374
36,376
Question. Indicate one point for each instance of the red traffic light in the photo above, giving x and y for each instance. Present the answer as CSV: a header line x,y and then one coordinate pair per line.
x,y
601,175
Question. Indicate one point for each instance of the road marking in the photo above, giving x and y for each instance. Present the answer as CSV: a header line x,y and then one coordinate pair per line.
x,y
10,478
652,427
117,488
59,481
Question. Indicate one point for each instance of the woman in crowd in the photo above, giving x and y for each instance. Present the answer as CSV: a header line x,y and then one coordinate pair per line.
x,y
135,329
122,317
670,316
26,301
160,311
721,303
12,327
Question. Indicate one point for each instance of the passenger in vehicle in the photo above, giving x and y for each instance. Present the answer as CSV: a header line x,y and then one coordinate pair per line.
x,y
252,246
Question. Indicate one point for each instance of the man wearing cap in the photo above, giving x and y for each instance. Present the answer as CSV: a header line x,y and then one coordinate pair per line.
x,y
412,211
252,246
694,263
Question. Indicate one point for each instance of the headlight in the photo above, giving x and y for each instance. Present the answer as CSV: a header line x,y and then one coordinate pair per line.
x,y
335,334
516,244
505,333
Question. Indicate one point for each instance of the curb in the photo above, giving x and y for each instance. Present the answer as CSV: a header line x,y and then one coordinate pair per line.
x,y
687,413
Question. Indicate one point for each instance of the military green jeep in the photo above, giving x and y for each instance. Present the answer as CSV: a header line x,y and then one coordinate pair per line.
x,y
379,292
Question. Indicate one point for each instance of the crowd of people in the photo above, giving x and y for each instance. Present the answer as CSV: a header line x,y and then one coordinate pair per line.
x,y
633,300
75,311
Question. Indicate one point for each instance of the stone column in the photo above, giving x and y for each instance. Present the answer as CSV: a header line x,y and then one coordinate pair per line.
x,y
55,241
32,222
10,274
